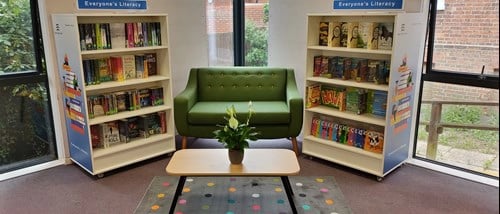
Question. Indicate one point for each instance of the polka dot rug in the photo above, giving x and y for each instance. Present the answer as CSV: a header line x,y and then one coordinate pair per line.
x,y
243,195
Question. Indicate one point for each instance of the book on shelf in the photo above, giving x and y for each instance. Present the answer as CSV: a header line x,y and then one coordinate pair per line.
x,y
362,70
333,96
128,66
129,129
121,101
359,142
313,95
343,34
352,34
368,35
117,68
95,136
334,33
356,100
374,141
110,133
139,66
118,35
385,36
347,70
323,33
105,74
150,64
145,97
157,96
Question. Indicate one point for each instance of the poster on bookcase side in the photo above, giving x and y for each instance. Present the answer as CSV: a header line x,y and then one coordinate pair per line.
x,y
68,62
407,64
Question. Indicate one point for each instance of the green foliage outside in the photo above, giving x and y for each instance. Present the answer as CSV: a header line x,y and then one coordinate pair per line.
x,y
483,141
24,124
256,42
16,38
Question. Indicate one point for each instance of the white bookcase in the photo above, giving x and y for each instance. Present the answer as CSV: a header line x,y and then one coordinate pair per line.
x,y
99,160
408,39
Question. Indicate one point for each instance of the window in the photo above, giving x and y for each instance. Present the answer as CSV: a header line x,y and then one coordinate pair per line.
x,y
237,32
458,114
26,126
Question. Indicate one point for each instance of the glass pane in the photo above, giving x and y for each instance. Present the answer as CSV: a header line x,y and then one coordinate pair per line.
x,y
26,133
459,127
256,32
467,37
16,37
220,32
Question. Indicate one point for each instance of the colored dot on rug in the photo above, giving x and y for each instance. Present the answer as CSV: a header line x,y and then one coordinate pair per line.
x,y
182,201
210,184
299,184
232,189
276,180
166,184
329,201
320,180
205,207
256,207
231,201
160,195
306,207
255,195
208,195
189,180
323,190
280,201
179,212
277,189
229,212
334,213
186,189
232,179
155,207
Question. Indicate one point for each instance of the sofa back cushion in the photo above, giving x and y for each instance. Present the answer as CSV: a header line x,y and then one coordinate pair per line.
x,y
241,84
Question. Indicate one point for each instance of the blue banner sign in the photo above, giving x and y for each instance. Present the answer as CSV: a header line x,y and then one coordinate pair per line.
x,y
113,4
367,4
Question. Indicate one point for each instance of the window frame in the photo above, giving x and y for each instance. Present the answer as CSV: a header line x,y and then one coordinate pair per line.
x,y
40,68
446,76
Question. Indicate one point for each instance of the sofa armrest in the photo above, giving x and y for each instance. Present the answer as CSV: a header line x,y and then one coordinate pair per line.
x,y
295,104
183,102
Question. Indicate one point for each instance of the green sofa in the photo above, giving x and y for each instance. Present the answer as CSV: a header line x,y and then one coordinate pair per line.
x,y
209,91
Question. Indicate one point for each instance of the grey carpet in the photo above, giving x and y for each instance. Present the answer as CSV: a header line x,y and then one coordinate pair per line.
x,y
408,189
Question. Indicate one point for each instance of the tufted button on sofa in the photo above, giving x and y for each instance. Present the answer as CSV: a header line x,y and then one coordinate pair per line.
x,y
209,91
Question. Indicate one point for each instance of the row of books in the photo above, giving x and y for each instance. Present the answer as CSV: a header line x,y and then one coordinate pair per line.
x,y
119,68
368,35
350,68
97,36
112,103
326,128
347,99
107,134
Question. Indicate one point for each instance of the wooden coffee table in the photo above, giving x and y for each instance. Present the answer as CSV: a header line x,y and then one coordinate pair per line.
x,y
215,162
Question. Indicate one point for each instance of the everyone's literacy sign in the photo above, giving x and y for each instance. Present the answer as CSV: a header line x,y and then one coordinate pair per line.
x,y
367,4
113,4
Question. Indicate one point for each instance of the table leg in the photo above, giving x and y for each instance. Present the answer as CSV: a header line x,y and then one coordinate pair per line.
x,y
178,192
289,193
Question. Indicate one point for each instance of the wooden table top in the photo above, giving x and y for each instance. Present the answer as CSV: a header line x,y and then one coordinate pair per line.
x,y
215,162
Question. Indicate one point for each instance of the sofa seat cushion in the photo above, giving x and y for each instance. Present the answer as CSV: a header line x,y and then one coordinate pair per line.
x,y
266,112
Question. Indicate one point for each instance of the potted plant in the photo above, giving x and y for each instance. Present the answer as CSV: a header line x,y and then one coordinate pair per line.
x,y
234,135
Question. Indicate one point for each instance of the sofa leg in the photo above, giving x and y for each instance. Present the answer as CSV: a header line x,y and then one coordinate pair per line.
x,y
295,146
184,142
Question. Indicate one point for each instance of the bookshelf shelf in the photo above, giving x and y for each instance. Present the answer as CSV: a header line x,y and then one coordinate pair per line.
x,y
345,134
110,88
131,82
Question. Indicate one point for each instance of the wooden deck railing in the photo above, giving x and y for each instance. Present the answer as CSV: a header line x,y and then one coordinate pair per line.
x,y
435,127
